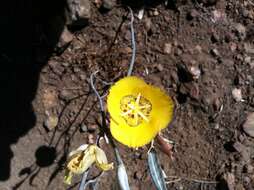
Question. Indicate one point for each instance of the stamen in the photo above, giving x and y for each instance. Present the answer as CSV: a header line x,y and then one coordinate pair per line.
x,y
135,110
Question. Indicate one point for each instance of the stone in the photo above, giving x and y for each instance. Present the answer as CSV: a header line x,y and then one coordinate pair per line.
x,y
248,126
51,121
138,175
237,94
192,14
167,48
90,139
65,38
230,180
79,12
108,4
83,128
215,52
92,128
195,72
241,31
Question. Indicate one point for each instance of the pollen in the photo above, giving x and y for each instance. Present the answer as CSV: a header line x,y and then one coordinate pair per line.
x,y
135,109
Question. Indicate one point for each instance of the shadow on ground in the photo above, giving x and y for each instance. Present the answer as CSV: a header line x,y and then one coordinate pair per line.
x,y
29,31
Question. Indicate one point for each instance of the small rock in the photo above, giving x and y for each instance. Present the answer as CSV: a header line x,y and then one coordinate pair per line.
x,y
230,179
243,150
65,95
247,59
239,147
159,67
51,122
215,52
237,94
92,128
198,48
215,38
248,168
241,31
217,16
195,71
138,175
65,38
49,98
167,48
192,14
83,128
90,139
79,12
208,2
148,24
155,12
251,64
233,46
249,48
108,4
248,126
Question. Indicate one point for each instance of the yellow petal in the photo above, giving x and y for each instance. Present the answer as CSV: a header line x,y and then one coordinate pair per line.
x,y
105,167
83,147
68,177
100,155
159,117
101,159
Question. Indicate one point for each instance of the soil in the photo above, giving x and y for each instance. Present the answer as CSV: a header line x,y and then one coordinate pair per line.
x,y
197,51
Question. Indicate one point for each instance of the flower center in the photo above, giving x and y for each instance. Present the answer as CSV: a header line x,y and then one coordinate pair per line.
x,y
135,109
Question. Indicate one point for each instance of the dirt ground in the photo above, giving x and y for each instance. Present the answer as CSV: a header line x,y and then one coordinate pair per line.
x,y
198,51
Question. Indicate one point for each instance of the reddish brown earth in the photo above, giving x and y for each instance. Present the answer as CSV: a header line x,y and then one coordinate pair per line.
x,y
215,39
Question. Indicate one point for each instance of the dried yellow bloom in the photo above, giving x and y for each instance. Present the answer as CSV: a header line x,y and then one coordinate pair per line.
x,y
82,158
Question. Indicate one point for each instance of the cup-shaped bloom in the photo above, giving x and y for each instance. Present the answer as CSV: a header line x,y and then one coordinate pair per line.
x,y
138,111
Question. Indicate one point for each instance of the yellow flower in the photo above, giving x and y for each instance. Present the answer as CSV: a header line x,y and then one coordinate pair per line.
x,y
138,111
82,158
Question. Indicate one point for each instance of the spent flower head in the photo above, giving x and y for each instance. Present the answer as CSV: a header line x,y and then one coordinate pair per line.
x,y
82,158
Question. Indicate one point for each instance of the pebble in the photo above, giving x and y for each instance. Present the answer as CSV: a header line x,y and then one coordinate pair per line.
x,y
241,31
217,15
65,95
192,14
249,168
167,48
159,67
148,24
215,38
233,46
195,71
251,64
215,52
79,12
92,128
138,175
249,48
51,122
108,4
83,127
65,38
208,2
90,139
230,180
49,98
247,59
248,125
237,94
